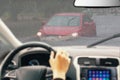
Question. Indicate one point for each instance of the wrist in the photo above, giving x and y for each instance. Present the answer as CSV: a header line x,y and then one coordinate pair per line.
x,y
59,75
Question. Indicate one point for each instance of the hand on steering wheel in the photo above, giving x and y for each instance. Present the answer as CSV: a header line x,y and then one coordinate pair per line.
x,y
59,64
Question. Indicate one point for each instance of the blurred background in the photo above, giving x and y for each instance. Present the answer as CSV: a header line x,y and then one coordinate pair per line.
x,y
29,14
26,17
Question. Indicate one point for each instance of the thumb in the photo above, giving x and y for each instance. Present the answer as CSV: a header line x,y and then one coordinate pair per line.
x,y
52,55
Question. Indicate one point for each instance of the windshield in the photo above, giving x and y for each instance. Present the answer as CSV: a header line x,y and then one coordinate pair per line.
x,y
64,21
59,23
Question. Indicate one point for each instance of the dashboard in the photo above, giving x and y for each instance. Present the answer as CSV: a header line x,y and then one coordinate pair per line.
x,y
86,64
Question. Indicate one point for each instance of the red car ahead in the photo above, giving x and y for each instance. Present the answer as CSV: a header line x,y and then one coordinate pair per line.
x,y
68,24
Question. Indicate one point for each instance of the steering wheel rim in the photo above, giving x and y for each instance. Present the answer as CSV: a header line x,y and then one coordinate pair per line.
x,y
11,55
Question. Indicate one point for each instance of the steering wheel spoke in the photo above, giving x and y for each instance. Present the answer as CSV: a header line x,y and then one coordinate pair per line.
x,y
49,74
11,74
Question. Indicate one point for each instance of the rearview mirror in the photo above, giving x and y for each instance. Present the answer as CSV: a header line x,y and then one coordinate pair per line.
x,y
96,3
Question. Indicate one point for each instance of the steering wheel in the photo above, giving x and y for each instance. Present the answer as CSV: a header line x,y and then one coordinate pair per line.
x,y
25,73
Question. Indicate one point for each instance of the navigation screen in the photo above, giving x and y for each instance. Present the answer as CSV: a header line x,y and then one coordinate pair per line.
x,y
98,74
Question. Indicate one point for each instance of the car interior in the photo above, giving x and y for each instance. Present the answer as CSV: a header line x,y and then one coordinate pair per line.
x,y
30,60
85,64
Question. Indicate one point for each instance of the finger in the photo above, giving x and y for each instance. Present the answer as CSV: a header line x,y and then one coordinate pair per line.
x,y
52,55
66,53
62,53
58,53
69,60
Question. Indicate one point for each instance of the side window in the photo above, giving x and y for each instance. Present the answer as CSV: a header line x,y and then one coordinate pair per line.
x,y
86,19
75,21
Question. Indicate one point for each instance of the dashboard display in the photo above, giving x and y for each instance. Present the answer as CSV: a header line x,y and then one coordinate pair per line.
x,y
35,59
99,74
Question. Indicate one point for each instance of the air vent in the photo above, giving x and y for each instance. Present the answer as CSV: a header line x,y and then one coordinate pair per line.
x,y
110,62
87,61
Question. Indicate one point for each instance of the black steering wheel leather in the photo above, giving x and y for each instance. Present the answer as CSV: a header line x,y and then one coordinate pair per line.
x,y
25,73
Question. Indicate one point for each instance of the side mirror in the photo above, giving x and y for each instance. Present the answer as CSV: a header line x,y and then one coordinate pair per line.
x,y
43,23
96,3
87,23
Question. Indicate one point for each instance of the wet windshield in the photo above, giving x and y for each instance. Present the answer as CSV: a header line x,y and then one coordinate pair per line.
x,y
59,23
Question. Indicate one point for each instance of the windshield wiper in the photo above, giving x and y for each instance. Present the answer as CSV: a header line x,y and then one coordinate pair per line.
x,y
104,40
